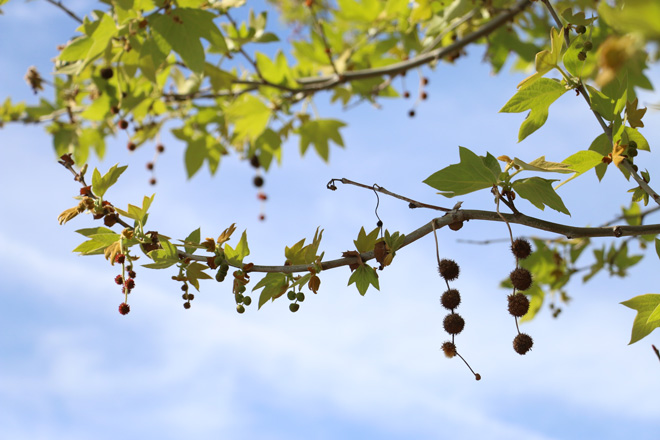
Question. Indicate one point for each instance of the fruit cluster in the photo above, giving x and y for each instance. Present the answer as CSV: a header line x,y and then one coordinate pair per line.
x,y
296,299
126,279
453,323
521,279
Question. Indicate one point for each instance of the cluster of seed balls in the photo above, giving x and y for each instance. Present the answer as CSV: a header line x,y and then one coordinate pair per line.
x,y
521,279
450,300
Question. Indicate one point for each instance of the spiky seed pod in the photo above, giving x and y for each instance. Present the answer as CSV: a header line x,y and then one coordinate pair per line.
x,y
521,248
450,299
449,348
522,343
448,269
453,323
521,278
518,304
124,308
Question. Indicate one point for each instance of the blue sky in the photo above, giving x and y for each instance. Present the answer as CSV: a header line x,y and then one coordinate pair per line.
x,y
344,366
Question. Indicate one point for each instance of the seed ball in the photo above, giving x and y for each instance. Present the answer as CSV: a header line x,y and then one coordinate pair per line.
x,y
240,308
588,45
258,181
449,348
477,376
185,297
521,278
632,144
453,323
632,152
450,299
582,55
184,287
124,308
406,94
294,307
131,146
152,181
581,29
191,297
521,248
160,148
518,304
300,297
291,295
522,343
423,95
247,300
123,124
150,166
106,73
411,113
186,305
448,269
254,161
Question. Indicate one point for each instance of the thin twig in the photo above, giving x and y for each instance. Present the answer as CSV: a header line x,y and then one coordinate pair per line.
x,y
380,189
69,12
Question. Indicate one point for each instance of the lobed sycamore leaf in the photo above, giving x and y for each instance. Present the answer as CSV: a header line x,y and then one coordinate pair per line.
x,y
301,254
537,98
138,214
634,114
363,277
578,18
274,285
182,29
366,242
471,174
648,315
249,115
100,184
235,256
318,132
546,60
99,239
195,272
540,193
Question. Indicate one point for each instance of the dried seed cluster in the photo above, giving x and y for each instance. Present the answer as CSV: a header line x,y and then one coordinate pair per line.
x,y
518,303
453,323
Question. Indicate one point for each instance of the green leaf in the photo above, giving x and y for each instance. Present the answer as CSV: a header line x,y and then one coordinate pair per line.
x,y
581,162
364,242
646,307
301,254
318,132
546,60
471,174
634,16
193,238
195,272
182,30
541,165
101,184
602,103
163,258
274,285
136,213
249,115
540,193
363,277
235,256
195,155
100,238
537,98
